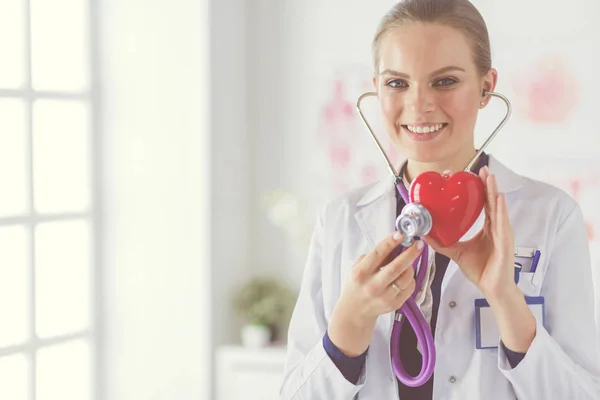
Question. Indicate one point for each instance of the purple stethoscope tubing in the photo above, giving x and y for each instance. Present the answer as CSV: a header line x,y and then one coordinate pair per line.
x,y
410,309
415,317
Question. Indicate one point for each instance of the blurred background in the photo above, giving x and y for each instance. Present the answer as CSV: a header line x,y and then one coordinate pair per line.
x,y
162,164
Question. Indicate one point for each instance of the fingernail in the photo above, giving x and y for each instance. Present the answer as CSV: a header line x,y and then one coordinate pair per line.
x,y
397,235
420,245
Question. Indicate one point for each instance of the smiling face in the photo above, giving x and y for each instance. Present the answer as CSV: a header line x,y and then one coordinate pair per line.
x,y
430,92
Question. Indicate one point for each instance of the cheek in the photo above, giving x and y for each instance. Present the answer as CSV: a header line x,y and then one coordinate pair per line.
x,y
391,107
462,109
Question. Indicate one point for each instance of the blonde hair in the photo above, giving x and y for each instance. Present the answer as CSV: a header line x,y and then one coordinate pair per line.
x,y
459,14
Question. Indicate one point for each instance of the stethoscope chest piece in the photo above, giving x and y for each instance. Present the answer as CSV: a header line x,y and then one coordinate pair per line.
x,y
413,221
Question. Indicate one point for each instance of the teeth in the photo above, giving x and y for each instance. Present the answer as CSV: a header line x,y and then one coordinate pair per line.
x,y
425,129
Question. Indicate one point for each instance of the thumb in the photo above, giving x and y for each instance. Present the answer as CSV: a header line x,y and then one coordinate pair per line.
x,y
449,252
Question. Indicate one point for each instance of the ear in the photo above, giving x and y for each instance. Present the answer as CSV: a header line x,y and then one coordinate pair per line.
x,y
488,84
375,84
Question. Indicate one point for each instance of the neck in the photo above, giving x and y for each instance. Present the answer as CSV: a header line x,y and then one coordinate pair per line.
x,y
453,164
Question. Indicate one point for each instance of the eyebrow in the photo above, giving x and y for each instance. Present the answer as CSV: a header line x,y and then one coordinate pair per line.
x,y
437,72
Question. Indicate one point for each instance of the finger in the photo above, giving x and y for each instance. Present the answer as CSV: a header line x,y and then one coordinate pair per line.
x,y
483,174
399,265
405,278
399,288
379,254
504,231
400,297
360,258
491,200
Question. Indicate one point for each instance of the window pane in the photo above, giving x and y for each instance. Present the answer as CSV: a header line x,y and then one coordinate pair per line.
x,y
14,286
12,54
13,184
63,372
59,44
60,156
14,377
62,264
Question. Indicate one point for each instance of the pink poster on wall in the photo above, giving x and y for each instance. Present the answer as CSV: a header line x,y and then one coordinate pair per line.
x,y
353,158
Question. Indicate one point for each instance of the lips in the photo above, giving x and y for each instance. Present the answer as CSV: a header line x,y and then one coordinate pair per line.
x,y
424,132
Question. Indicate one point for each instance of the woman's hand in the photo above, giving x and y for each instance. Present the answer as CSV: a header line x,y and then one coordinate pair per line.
x,y
374,287
487,260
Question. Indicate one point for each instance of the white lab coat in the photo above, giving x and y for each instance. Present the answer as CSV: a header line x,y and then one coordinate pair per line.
x,y
563,361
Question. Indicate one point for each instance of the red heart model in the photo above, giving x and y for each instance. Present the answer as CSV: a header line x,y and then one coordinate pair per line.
x,y
454,201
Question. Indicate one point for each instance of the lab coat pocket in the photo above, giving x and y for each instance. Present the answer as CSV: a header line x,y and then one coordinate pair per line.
x,y
531,270
528,284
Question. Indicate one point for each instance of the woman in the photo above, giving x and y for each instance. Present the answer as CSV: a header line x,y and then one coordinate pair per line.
x,y
432,71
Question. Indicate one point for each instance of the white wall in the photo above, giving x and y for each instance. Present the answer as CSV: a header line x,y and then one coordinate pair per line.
x,y
231,233
155,126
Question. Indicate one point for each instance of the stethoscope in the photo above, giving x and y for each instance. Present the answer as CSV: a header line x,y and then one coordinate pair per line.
x,y
415,221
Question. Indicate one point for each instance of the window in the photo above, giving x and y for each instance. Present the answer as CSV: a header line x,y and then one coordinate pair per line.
x,y
48,229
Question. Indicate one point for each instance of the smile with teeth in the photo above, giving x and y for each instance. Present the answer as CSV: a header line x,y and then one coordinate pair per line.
x,y
425,129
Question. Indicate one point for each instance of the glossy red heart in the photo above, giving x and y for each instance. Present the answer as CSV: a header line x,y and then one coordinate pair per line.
x,y
454,201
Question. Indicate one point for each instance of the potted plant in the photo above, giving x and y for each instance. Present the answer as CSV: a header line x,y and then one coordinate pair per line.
x,y
266,305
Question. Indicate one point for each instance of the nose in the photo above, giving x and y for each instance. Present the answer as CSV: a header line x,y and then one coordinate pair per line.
x,y
420,100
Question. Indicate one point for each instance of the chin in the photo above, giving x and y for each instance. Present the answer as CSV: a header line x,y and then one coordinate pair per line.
x,y
425,154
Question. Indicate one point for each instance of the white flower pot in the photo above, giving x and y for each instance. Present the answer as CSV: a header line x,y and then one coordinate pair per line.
x,y
255,336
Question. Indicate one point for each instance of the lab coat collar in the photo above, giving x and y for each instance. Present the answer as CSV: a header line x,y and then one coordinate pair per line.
x,y
508,181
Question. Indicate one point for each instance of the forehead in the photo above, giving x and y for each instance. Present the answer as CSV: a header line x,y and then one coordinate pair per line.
x,y
417,49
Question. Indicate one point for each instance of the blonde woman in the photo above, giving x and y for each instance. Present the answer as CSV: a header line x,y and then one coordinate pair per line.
x,y
432,73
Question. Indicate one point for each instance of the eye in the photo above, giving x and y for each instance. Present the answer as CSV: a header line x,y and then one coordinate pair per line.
x,y
445,82
396,84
